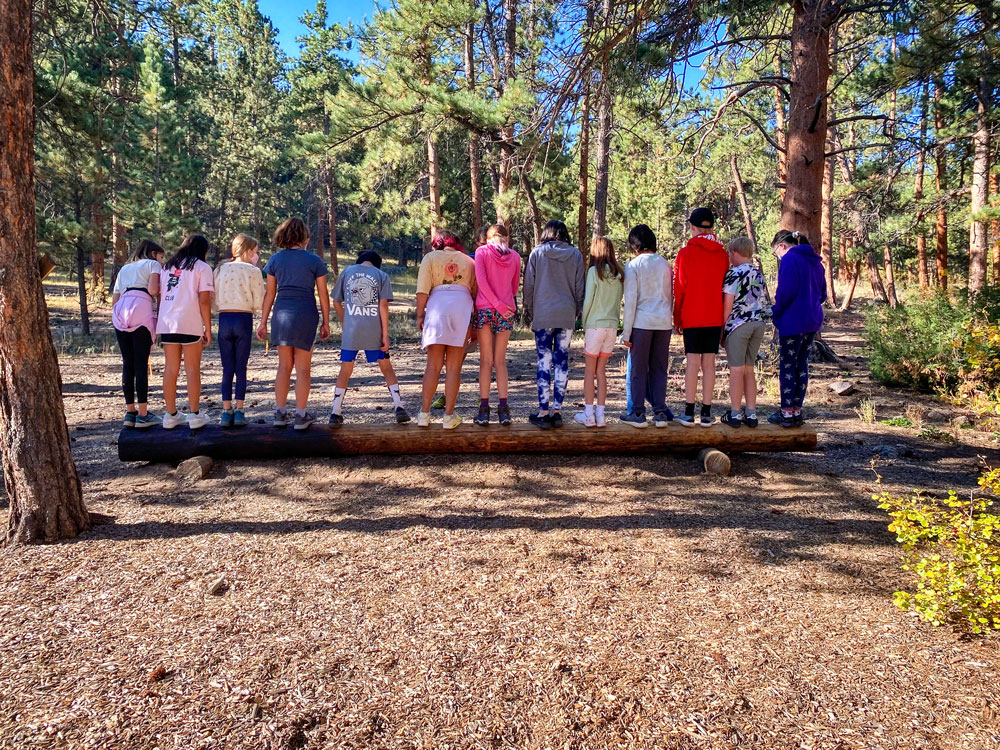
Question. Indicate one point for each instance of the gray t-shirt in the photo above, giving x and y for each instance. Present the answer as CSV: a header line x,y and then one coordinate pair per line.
x,y
361,288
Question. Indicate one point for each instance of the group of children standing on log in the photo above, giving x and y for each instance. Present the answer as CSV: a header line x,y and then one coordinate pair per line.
x,y
712,295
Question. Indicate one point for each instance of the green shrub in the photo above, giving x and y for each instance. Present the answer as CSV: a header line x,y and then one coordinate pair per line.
x,y
952,547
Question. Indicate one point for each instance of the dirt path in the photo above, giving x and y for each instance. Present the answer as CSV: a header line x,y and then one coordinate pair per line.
x,y
459,602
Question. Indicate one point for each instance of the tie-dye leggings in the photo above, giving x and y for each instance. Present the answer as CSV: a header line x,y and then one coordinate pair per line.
x,y
552,345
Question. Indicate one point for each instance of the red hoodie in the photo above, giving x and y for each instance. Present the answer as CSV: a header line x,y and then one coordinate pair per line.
x,y
698,273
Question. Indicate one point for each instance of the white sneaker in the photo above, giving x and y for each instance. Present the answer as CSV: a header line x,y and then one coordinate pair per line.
x,y
451,421
423,419
600,420
583,419
170,421
197,421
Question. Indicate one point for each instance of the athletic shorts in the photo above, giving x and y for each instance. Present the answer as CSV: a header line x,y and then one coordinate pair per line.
x,y
599,341
179,338
487,317
743,343
702,340
372,355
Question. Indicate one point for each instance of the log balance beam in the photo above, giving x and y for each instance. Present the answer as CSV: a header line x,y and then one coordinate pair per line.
x,y
257,441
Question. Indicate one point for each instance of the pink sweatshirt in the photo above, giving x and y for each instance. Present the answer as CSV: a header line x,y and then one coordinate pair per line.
x,y
498,273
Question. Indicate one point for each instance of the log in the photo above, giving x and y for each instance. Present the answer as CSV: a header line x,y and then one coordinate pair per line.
x,y
256,441
716,462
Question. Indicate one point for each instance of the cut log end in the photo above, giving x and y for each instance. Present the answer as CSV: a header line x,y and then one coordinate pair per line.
x,y
715,461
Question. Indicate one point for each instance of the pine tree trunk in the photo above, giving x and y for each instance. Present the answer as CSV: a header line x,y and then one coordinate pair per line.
x,y
941,184
506,172
849,297
46,502
475,170
807,117
978,237
780,131
843,267
878,288
320,231
599,219
331,207
81,268
826,228
433,188
995,230
890,276
582,222
918,193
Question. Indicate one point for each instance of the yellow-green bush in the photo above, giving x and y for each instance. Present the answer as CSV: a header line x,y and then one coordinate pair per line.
x,y
952,548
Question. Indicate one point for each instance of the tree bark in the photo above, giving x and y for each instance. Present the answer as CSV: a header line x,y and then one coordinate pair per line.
x,y
582,222
995,229
890,276
940,184
826,227
433,188
599,219
978,237
81,268
506,171
918,193
475,170
843,267
807,118
878,288
780,131
849,297
331,208
43,489
741,193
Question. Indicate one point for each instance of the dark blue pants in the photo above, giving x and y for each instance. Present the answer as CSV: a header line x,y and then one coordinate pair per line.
x,y
794,368
235,337
650,358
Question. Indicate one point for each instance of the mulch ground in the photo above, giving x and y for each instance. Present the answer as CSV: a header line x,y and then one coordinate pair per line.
x,y
492,602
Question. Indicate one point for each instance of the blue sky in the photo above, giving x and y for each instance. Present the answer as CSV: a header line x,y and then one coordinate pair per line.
x,y
284,14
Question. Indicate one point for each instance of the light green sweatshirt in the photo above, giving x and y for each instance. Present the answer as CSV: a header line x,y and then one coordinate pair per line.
x,y
602,301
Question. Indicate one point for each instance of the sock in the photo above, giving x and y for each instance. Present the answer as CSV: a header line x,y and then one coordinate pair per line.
x,y
599,409
300,412
193,412
689,409
503,403
750,413
787,412
338,399
172,413
394,392
230,411
280,409
706,410
543,412
588,410
484,404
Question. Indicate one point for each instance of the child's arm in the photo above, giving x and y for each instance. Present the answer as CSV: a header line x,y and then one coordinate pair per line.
x,y
338,308
154,286
588,294
580,286
528,290
324,306
631,298
205,303
383,314
727,308
272,290
787,288
680,287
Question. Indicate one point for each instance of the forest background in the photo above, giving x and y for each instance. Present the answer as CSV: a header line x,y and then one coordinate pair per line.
x,y
155,119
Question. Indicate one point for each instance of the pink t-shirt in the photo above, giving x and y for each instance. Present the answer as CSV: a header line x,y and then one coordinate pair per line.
x,y
180,311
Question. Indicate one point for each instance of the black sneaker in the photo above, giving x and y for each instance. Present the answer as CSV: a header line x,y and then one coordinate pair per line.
x,y
555,419
687,420
503,415
781,420
402,415
706,420
733,420
336,420
798,420
544,422
663,418
751,421
483,417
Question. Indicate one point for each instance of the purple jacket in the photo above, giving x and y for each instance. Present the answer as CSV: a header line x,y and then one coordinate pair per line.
x,y
798,301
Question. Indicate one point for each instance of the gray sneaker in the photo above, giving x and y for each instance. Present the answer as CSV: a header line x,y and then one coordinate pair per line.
x,y
303,422
150,420
280,418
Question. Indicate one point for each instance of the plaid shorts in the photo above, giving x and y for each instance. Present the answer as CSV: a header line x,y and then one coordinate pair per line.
x,y
492,319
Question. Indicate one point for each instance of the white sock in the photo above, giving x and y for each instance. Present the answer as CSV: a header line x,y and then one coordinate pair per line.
x,y
300,412
588,410
600,411
338,399
394,392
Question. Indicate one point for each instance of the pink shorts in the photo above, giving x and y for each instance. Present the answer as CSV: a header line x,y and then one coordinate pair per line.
x,y
599,342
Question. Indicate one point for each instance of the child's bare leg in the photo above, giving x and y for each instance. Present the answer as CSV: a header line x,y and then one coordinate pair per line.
x,y
303,377
589,373
346,370
385,365
707,378
432,375
692,364
453,378
500,341
736,379
602,378
171,369
192,374
750,387
283,378
485,362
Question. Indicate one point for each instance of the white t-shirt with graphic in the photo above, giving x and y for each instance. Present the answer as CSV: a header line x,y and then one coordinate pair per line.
x,y
361,287
180,310
136,275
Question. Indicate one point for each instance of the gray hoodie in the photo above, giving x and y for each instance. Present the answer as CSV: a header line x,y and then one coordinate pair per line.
x,y
554,286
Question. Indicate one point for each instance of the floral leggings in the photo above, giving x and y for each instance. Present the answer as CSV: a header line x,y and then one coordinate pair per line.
x,y
552,345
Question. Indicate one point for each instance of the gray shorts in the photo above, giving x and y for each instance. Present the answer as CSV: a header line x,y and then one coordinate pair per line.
x,y
743,343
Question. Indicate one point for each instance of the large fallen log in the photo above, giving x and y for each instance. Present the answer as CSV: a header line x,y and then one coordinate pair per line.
x,y
263,441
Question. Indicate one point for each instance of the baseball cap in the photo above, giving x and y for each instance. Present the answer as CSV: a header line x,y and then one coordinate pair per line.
x,y
703,218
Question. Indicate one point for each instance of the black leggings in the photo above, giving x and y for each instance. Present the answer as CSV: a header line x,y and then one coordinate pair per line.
x,y
135,347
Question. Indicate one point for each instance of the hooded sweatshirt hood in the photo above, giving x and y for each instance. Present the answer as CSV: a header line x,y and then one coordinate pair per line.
x,y
498,274
798,300
499,254
554,285
558,251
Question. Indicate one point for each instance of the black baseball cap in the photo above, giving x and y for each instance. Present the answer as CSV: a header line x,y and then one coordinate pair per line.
x,y
370,256
703,218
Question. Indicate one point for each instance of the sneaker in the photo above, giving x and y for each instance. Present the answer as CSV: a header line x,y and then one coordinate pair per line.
x,y
585,419
483,417
402,415
781,420
438,403
197,420
687,420
170,421
601,420
303,422
423,419
750,421
798,420
129,420
240,418
555,419
451,421
544,422
706,419
733,420
336,419
663,418
150,420
227,419
634,419
280,418
503,415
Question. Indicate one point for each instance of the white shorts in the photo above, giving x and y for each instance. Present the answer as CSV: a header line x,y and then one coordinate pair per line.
x,y
599,341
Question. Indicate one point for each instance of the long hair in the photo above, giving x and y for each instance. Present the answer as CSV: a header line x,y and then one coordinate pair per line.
x,y
147,250
641,239
602,258
555,231
445,240
792,238
192,249
243,245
